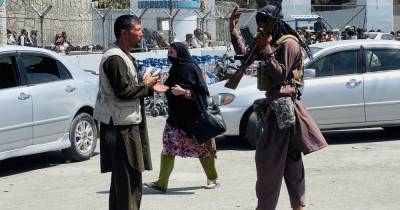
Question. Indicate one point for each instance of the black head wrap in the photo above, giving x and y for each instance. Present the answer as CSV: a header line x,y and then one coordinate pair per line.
x,y
182,53
281,27
185,71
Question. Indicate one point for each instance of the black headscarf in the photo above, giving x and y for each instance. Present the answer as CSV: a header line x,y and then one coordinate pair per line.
x,y
281,27
185,71
187,74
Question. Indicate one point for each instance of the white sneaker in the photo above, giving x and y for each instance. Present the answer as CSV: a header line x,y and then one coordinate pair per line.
x,y
212,184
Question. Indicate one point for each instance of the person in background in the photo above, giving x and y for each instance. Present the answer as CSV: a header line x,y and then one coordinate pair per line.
x,y
67,43
10,38
34,38
329,36
210,42
23,38
319,25
124,143
200,39
187,86
189,40
360,33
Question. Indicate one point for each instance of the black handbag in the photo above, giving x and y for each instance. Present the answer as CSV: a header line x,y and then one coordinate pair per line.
x,y
208,124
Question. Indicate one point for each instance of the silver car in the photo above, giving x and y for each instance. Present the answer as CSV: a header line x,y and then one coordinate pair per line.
x,y
379,36
46,104
348,84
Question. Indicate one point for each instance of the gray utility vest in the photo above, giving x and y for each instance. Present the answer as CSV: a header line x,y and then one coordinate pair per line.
x,y
108,106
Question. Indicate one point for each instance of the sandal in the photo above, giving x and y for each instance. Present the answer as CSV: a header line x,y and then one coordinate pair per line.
x,y
153,185
211,184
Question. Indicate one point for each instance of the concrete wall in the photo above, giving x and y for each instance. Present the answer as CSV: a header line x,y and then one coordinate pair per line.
x,y
71,16
92,61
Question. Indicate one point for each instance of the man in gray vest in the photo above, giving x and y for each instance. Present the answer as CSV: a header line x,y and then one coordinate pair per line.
x,y
124,143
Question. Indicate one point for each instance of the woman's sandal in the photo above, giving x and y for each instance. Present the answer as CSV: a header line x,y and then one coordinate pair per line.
x,y
211,184
153,185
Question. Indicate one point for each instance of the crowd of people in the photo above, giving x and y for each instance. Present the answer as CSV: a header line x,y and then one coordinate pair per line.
x,y
158,40
348,33
23,39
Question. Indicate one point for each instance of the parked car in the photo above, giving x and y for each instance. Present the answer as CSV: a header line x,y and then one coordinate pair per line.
x,y
46,104
379,36
348,84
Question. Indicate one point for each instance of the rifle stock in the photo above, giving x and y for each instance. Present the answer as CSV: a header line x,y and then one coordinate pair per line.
x,y
233,82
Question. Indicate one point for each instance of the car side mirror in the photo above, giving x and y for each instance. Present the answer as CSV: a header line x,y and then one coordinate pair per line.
x,y
309,73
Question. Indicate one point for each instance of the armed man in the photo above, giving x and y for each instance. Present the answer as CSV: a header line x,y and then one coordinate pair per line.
x,y
289,130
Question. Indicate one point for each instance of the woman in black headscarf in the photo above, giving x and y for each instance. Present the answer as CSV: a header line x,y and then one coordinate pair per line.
x,y
186,83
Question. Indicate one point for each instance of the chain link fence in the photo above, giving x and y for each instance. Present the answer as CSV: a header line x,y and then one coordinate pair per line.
x,y
340,16
76,26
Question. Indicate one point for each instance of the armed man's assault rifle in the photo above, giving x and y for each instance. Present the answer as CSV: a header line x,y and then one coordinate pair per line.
x,y
248,59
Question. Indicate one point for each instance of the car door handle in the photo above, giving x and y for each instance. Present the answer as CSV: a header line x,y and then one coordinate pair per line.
x,y
23,96
69,88
353,83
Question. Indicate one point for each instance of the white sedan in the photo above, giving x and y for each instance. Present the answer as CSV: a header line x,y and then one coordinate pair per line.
x,y
348,84
46,104
379,36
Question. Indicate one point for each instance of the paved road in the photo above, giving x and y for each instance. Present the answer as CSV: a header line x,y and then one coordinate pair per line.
x,y
360,170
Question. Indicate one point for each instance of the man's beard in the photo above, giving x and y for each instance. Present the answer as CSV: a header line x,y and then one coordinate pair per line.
x,y
136,44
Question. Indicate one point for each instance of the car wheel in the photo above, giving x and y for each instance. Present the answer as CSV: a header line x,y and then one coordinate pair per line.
x,y
393,131
254,129
83,137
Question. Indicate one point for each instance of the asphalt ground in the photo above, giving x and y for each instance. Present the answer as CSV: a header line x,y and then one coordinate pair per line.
x,y
360,170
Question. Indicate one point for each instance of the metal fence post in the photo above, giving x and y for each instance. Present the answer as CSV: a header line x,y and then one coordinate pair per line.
x,y
3,23
41,16
202,18
103,20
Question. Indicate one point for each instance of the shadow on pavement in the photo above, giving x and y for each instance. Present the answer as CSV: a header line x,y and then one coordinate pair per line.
x,y
172,191
358,136
333,137
232,143
28,163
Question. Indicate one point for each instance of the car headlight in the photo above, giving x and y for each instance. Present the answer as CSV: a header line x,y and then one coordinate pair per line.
x,y
223,99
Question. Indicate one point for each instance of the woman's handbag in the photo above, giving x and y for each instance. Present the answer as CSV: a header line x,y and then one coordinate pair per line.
x,y
209,124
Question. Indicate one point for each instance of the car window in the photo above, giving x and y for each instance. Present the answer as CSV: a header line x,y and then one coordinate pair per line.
x,y
64,73
382,59
339,63
40,69
8,71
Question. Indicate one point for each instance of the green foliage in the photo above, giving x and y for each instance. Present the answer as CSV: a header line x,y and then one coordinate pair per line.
x,y
116,4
